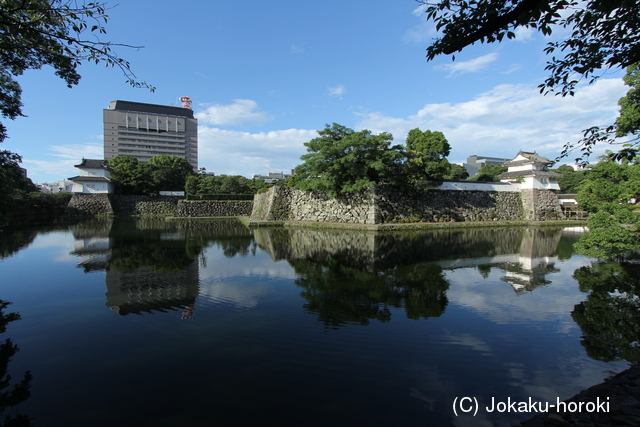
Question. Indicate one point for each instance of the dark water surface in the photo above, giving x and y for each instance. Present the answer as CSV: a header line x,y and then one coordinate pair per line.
x,y
158,323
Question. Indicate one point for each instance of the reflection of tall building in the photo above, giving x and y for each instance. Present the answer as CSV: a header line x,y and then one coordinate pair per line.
x,y
145,290
139,288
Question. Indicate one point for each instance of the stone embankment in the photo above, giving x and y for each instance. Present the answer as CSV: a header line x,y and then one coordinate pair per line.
x,y
109,204
289,204
433,205
390,205
190,209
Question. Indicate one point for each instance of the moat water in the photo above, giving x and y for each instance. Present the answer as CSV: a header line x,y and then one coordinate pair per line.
x,y
160,323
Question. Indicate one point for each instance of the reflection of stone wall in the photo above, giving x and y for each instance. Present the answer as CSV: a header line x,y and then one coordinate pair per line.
x,y
354,249
368,250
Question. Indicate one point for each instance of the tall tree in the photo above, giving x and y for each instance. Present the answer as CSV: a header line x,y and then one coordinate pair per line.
x,y
342,160
170,172
427,153
58,33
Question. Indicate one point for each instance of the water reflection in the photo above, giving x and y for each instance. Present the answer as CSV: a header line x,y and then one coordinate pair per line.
x,y
153,264
352,278
610,316
11,395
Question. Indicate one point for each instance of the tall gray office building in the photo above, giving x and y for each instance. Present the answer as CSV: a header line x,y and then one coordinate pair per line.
x,y
146,130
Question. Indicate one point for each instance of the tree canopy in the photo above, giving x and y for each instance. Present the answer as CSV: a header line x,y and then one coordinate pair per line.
x,y
58,33
427,153
342,160
609,181
602,34
159,174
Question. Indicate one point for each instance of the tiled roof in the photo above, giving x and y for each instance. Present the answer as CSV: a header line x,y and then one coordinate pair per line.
x,y
89,178
93,164
508,175
532,158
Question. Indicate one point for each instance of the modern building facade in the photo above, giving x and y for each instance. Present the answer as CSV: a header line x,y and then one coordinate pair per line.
x,y
146,130
475,162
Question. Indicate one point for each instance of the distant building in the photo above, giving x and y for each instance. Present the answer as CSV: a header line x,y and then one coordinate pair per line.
x,y
529,170
146,130
272,177
94,177
474,163
63,186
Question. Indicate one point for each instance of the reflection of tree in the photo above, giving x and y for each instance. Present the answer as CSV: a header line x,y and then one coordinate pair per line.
x,y
11,395
610,316
340,294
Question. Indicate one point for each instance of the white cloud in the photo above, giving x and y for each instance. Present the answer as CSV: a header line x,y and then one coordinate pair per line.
x,y
296,49
243,153
337,90
240,112
422,32
507,118
471,66
64,159
524,34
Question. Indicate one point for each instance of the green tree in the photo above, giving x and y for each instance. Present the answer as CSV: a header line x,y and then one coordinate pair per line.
x,y
614,232
602,34
609,181
341,160
427,155
610,316
131,176
571,179
489,173
457,172
169,173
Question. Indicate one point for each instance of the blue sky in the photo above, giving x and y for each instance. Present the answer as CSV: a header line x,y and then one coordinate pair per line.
x,y
264,76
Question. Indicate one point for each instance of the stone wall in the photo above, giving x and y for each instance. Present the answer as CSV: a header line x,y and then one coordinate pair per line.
x,y
283,203
540,205
386,204
110,204
144,205
189,209
89,205
433,205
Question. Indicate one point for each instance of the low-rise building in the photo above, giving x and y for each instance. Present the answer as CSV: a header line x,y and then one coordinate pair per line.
x,y
63,186
94,177
272,177
530,171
